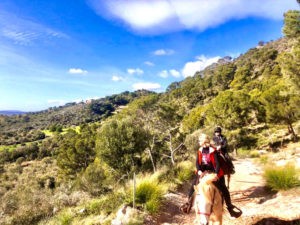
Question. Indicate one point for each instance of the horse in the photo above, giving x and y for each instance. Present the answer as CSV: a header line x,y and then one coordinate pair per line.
x,y
208,202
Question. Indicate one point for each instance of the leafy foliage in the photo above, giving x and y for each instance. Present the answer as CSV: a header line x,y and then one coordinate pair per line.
x,y
120,144
76,151
292,23
231,109
282,178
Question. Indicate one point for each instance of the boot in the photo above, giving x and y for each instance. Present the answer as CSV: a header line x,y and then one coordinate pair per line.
x,y
234,213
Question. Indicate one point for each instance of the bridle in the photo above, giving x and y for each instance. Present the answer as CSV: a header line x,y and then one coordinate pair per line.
x,y
211,208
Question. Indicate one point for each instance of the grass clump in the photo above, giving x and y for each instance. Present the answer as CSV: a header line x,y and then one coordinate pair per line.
x,y
106,204
264,159
149,194
282,178
254,154
65,218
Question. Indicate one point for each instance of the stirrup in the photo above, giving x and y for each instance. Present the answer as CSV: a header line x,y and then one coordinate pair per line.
x,y
233,213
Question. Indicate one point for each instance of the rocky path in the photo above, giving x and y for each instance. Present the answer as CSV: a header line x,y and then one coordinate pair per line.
x,y
259,205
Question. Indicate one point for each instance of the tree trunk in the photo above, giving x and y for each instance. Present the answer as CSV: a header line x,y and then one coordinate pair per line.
x,y
150,154
292,131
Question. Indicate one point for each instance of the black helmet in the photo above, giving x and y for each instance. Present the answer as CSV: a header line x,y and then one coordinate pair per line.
x,y
218,129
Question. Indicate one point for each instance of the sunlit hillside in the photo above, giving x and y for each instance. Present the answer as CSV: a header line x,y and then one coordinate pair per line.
x,y
75,164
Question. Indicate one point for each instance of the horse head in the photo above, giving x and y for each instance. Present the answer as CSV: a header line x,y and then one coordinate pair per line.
x,y
205,198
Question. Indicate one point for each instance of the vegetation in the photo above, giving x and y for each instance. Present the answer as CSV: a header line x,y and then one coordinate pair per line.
x,y
282,178
83,155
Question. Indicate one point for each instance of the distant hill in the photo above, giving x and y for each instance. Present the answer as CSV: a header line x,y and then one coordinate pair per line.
x,y
18,124
11,112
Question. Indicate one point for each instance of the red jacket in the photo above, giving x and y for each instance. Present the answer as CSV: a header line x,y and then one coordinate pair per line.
x,y
213,157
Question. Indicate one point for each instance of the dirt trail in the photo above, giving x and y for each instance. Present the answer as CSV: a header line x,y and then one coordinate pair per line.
x,y
259,205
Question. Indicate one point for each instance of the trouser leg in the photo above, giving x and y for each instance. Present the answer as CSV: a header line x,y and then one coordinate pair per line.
x,y
195,182
220,184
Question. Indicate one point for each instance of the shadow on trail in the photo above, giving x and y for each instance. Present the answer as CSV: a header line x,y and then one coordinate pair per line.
x,y
275,221
261,192
168,212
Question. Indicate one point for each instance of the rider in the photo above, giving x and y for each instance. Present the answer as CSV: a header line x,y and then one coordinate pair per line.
x,y
221,144
207,161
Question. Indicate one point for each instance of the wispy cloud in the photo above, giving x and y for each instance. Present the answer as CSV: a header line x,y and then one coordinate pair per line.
x,y
148,63
56,102
167,73
137,71
146,85
77,71
164,52
117,78
25,32
190,68
172,15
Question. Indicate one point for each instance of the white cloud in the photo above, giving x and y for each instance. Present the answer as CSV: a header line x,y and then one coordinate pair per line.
x,y
166,73
148,63
137,71
190,68
174,73
25,32
56,102
77,71
164,52
173,15
117,78
146,85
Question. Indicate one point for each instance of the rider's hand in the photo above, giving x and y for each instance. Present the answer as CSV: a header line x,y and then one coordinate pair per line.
x,y
201,174
216,178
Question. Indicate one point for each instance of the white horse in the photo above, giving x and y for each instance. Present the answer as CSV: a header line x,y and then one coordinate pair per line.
x,y
208,202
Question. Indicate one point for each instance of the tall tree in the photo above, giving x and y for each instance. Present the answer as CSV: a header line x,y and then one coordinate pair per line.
x,y
291,27
282,106
76,152
120,143
229,108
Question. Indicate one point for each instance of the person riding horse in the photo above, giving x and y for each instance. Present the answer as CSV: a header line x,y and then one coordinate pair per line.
x,y
207,161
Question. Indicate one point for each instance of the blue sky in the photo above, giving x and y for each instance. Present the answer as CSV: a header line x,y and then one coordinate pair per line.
x,y
59,51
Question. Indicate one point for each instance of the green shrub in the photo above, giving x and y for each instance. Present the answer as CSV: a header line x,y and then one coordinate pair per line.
x,y
185,171
242,153
282,178
264,159
149,193
254,154
107,204
65,218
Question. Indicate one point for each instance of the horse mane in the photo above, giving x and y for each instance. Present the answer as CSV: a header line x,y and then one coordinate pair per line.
x,y
206,188
209,195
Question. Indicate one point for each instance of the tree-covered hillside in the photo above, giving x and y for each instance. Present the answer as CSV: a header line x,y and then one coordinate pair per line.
x,y
27,127
255,99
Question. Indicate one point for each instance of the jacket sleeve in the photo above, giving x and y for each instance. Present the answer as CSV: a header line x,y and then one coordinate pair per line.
x,y
224,144
198,166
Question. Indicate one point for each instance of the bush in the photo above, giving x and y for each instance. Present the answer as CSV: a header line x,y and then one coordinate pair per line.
x,y
94,179
282,178
254,154
185,171
65,218
149,194
107,204
264,159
